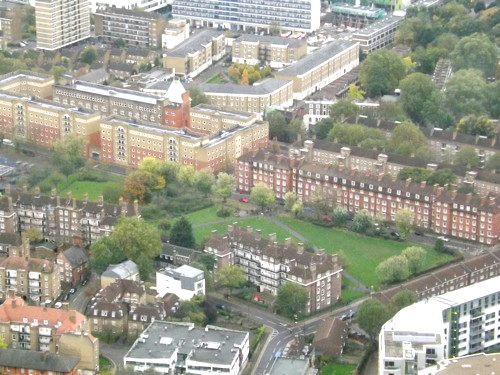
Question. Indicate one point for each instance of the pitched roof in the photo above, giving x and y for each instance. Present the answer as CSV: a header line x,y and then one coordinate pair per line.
x,y
14,310
331,336
76,255
37,360
30,264
194,43
10,239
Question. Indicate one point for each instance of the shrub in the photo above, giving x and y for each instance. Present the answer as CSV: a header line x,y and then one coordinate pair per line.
x,y
224,212
164,225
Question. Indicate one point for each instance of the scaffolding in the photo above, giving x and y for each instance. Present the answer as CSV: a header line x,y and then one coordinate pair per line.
x,y
355,16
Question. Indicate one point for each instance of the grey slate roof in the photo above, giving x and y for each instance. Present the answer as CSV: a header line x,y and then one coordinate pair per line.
x,y
169,249
194,43
76,255
267,86
95,76
316,58
35,360
122,270
10,238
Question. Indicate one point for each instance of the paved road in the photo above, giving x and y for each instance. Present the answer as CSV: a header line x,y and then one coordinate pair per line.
x,y
281,330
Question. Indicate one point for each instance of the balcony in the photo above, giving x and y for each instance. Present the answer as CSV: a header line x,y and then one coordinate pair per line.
x,y
44,340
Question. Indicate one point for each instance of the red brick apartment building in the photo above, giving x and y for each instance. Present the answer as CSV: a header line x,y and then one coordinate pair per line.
x,y
440,209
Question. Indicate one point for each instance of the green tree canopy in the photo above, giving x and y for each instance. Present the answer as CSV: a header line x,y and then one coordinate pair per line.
x,y
362,221
381,72
401,300
371,316
322,128
474,125
493,163
291,300
416,257
290,199
105,251
420,98
68,153
197,97
406,138
442,177
476,52
204,180
356,135
88,55
224,185
262,195
393,269
468,157
343,109
181,233
231,277
466,93
404,222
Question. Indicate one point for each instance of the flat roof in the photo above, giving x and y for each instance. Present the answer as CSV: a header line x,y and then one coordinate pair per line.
x,y
477,364
206,108
376,26
289,366
94,88
267,86
194,43
43,103
357,10
210,344
318,57
271,39
17,75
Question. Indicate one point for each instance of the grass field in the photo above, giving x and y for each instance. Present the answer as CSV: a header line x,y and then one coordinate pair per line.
x,y
364,253
338,369
94,189
216,78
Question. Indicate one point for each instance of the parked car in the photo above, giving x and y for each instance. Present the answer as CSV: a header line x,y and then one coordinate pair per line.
x,y
84,282
443,238
72,291
419,233
66,297
395,234
58,305
327,219
243,200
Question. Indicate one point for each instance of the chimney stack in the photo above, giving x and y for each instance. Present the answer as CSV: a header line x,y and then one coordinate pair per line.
x,y
423,184
272,237
408,182
136,207
53,192
258,234
37,191
7,189
12,293
85,197
69,196
288,241
25,188
100,200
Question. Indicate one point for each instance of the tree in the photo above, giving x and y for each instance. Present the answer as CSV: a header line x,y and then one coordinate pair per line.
x,y
88,55
371,316
468,157
262,195
298,208
362,221
474,125
197,97
392,112
475,52
322,128
119,43
340,216
290,199
105,251
393,269
186,175
224,185
277,125
138,239
401,300
493,163
68,153
112,192
416,174
355,92
420,98
343,109
33,234
466,93
381,72
208,261
442,177
406,137
404,222
181,233
231,277
138,185
295,130
291,300
57,71
203,181
3,345
416,257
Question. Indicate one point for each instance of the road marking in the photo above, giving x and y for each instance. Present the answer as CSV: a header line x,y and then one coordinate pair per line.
x,y
274,334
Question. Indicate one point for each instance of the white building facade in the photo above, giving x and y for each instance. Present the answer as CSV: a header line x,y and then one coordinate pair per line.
x,y
454,324
185,282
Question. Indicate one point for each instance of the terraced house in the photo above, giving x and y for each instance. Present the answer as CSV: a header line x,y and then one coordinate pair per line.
x,y
269,264
441,209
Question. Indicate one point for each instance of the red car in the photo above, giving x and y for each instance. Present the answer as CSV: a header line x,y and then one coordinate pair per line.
x,y
243,200
327,219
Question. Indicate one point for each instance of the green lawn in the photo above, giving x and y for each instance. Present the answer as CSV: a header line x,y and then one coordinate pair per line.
x,y
262,223
94,189
338,369
216,78
350,295
364,253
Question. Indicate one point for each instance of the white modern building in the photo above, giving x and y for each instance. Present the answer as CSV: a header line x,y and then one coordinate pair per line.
x,y
454,324
185,282
478,364
146,5
299,15
60,23
176,32
178,348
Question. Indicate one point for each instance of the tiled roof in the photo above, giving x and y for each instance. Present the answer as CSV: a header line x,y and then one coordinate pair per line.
x,y
30,264
331,336
10,239
76,255
194,44
31,360
14,310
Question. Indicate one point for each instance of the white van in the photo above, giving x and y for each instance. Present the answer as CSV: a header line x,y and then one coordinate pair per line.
x,y
8,142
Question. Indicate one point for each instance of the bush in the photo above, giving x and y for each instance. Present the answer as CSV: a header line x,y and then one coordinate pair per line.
x,y
164,225
224,212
